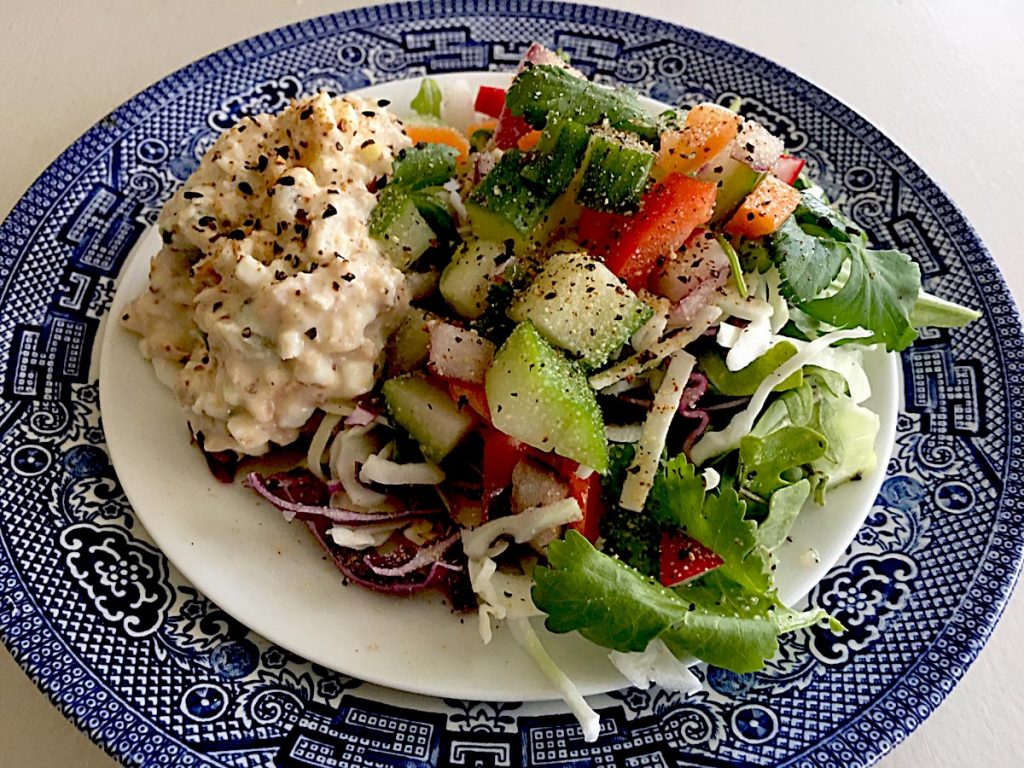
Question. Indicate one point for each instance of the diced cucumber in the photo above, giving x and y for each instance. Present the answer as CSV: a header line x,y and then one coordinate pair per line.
x,y
542,89
615,172
539,397
505,205
577,304
557,155
425,165
734,180
424,410
397,225
409,346
467,278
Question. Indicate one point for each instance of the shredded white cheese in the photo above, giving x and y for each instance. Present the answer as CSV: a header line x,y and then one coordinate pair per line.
x,y
644,361
640,475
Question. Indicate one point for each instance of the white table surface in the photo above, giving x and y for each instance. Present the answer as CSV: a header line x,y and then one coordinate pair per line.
x,y
944,79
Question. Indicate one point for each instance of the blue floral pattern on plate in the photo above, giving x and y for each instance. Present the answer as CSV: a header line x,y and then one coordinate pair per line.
x,y
158,675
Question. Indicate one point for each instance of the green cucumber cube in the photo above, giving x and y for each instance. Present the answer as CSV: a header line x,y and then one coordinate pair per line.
x,y
505,205
467,278
538,397
424,410
395,222
615,172
578,305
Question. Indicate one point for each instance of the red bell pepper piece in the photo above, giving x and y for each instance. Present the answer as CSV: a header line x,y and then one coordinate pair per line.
x,y
673,208
473,395
587,492
684,559
599,231
490,100
511,129
501,454
787,168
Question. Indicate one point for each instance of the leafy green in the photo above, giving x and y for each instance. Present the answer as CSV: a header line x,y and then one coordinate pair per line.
x,y
719,523
878,295
734,628
765,460
882,288
807,263
744,382
427,101
932,311
607,601
783,509
615,606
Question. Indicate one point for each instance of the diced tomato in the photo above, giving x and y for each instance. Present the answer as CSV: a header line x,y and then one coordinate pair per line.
x,y
673,208
501,454
472,395
439,134
684,559
510,130
490,100
587,492
787,169
764,209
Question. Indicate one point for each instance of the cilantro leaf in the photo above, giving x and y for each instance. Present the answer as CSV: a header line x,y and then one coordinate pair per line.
x,y
731,627
878,295
610,603
719,523
615,606
817,217
807,264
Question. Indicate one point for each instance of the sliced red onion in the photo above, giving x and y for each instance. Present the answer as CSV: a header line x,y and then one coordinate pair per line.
x,y
428,555
703,419
696,386
293,509
352,565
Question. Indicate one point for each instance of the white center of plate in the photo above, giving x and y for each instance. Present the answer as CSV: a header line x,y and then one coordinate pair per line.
x,y
273,577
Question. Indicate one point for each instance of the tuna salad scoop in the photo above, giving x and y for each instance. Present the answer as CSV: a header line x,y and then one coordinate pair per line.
x,y
269,298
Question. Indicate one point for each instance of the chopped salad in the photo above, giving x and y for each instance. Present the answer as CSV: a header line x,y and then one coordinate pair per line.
x,y
633,351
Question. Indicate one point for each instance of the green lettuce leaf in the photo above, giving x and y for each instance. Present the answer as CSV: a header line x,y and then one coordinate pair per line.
x,y
427,101
807,263
765,462
745,381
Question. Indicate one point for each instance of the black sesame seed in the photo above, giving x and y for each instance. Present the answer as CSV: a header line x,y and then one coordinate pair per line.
x,y
261,164
329,211
236,234
311,334
245,187
246,332
283,151
286,181
205,221
348,278
367,143
192,195
306,113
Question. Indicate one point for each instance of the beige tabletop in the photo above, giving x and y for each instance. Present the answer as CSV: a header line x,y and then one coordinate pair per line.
x,y
944,79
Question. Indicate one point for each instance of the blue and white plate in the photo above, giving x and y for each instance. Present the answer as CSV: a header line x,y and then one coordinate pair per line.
x,y
157,674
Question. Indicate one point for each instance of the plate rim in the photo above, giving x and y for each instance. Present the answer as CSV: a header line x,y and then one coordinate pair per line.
x,y
993,294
